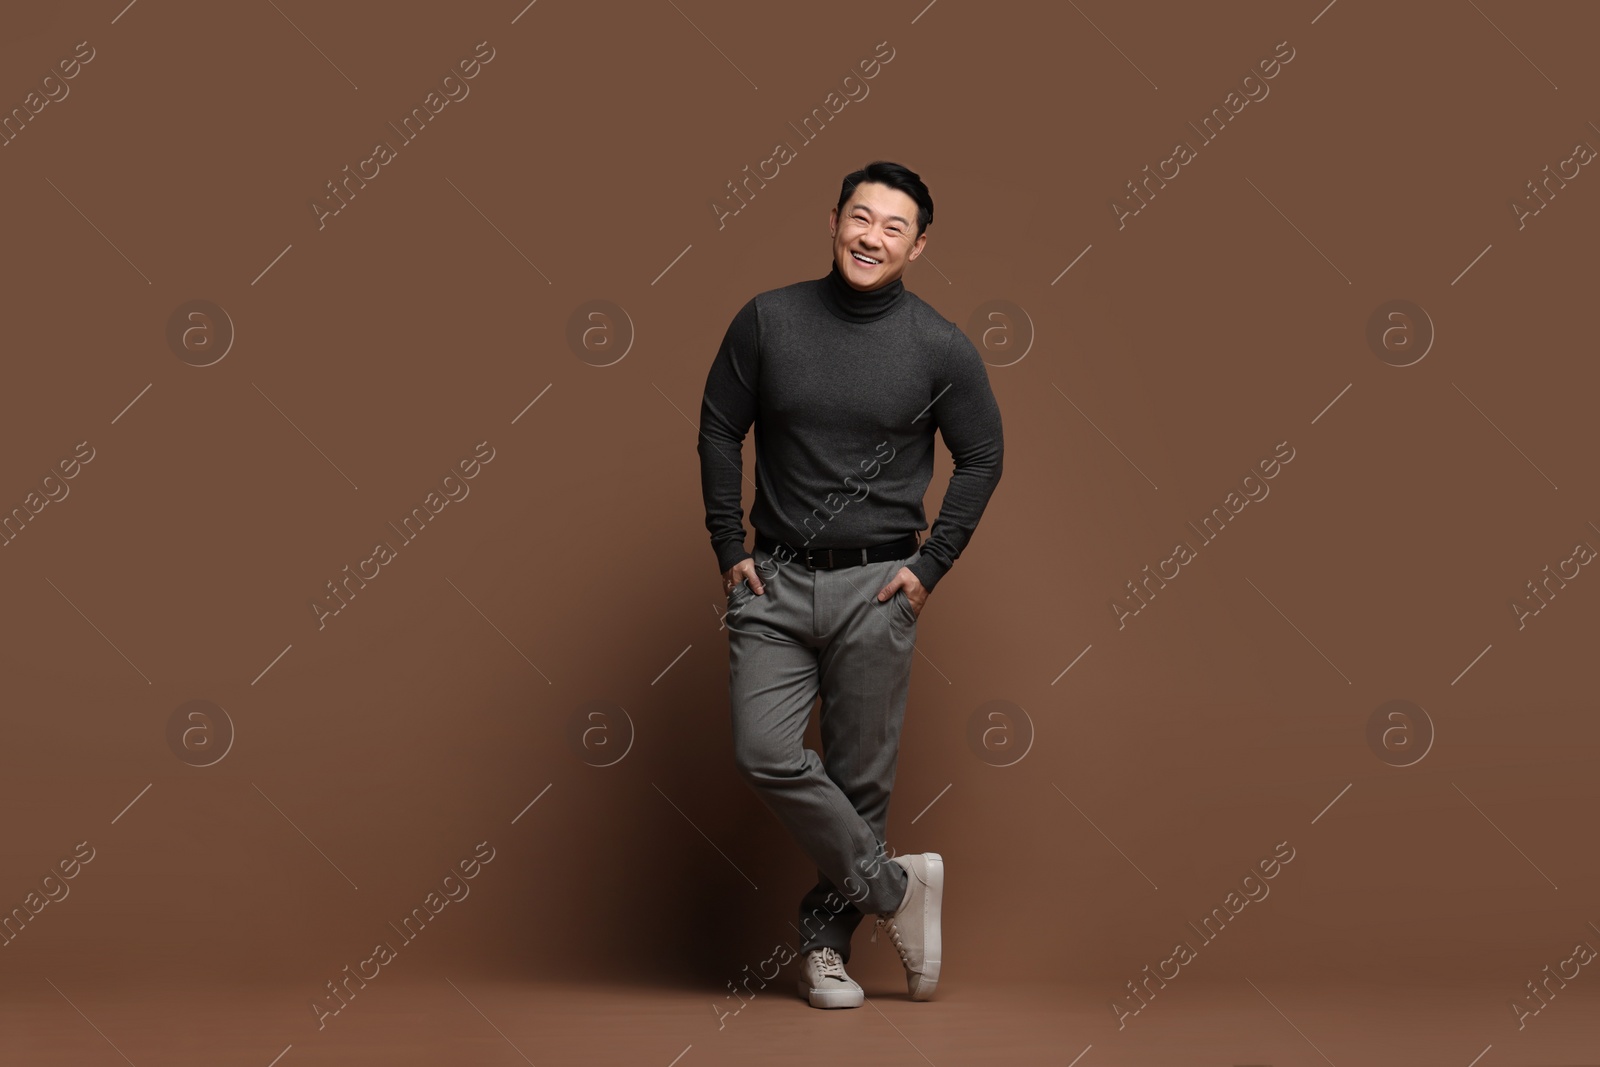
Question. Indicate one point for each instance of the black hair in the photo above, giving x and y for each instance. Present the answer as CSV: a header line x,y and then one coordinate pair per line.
x,y
895,177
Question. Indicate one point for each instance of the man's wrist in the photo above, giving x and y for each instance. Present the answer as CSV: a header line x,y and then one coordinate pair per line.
x,y
927,573
730,554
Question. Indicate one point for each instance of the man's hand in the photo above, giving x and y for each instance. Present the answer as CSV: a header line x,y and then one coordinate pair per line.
x,y
911,584
744,569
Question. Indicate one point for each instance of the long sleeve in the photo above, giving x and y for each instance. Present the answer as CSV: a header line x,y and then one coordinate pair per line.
x,y
727,411
968,418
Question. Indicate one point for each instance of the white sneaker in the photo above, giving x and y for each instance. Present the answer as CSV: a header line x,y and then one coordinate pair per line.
x,y
824,983
914,926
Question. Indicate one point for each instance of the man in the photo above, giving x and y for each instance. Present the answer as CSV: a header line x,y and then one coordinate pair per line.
x,y
845,378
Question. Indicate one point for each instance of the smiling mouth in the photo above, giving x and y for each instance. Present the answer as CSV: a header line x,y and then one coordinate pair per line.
x,y
864,260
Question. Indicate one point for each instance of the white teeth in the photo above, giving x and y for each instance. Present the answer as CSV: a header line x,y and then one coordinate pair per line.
x,y
864,259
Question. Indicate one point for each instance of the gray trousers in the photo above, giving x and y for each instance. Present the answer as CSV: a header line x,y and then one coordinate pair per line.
x,y
824,632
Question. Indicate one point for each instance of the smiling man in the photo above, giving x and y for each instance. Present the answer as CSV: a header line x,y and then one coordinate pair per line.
x,y
845,379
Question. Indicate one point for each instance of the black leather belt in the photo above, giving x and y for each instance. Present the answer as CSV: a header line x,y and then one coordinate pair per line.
x,y
815,559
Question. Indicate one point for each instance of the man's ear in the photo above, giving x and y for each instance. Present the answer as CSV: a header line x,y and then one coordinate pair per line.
x,y
833,221
916,249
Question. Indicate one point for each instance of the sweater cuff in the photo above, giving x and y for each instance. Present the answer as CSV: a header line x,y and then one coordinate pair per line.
x,y
730,553
928,572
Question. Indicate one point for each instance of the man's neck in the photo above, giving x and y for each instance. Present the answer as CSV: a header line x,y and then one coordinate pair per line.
x,y
858,305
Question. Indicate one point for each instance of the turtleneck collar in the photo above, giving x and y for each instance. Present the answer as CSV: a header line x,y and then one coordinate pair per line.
x,y
853,305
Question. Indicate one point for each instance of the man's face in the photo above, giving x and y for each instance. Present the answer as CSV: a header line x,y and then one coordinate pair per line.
x,y
878,222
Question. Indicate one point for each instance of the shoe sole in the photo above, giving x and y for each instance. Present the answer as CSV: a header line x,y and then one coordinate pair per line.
x,y
922,986
829,998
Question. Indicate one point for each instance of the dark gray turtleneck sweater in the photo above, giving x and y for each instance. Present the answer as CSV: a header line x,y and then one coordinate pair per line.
x,y
845,389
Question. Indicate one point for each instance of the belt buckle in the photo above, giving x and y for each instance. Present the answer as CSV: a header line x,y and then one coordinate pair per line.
x,y
831,564
813,558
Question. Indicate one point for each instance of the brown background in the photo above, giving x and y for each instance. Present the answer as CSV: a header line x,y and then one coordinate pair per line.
x,y
376,352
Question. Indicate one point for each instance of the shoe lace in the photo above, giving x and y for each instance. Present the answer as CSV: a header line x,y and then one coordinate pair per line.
x,y
830,964
886,922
